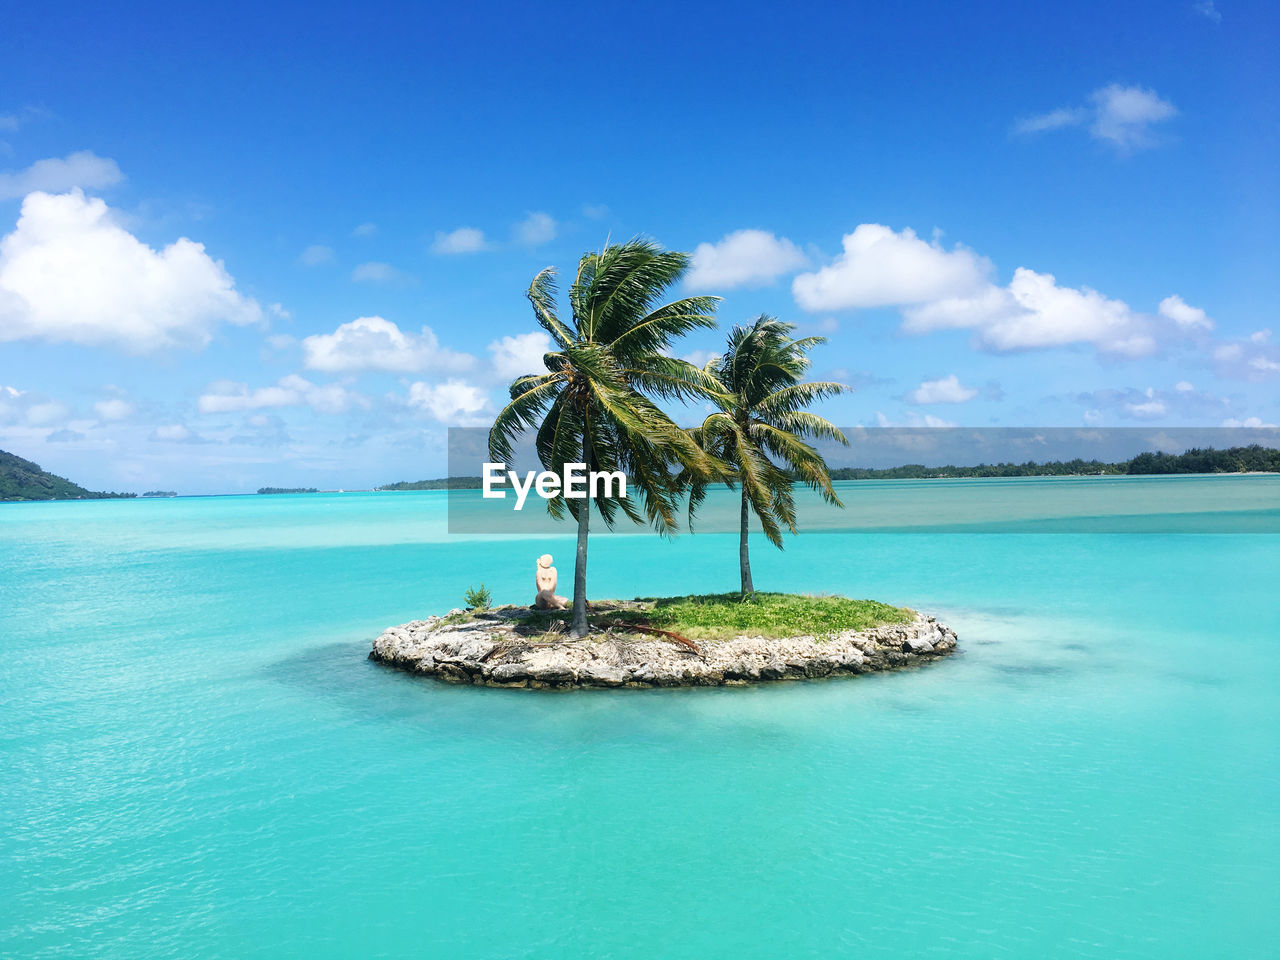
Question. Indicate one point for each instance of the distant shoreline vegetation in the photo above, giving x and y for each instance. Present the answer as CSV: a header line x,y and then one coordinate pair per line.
x,y
439,483
161,493
273,490
1250,459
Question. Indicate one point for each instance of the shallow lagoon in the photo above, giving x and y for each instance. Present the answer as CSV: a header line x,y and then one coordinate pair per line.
x,y
198,760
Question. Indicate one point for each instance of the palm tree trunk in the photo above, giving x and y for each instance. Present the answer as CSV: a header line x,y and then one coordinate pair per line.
x,y
579,626
744,557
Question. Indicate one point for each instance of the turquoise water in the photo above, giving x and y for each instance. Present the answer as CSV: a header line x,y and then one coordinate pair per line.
x,y
197,760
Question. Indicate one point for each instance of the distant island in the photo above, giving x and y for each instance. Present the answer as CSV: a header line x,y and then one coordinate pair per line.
x,y
161,493
440,483
1250,459
270,490
22,480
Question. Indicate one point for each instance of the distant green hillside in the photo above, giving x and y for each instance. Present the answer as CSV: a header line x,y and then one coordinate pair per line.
x,y
23,480
440,483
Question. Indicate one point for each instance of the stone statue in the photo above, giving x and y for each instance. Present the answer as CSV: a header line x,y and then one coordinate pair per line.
x,y
545,577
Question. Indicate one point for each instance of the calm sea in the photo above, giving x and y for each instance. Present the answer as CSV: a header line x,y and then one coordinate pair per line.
x,y
197,760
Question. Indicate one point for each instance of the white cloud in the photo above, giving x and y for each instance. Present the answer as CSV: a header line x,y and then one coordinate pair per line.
x,y
84,169
372,343
1252,423
70,273
1207,9
316,255
1184,315
947,390
914,419
595,211
1183,402
454,401
462,240
1124,115
1034,312
278,310
365,230
375,272
226,396
535,229
171,433
1053,120
113,408
519,355
744,258
1252,359
881,268
1120,115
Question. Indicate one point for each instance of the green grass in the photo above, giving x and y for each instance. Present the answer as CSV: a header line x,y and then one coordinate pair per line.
x,y
726,615
721,616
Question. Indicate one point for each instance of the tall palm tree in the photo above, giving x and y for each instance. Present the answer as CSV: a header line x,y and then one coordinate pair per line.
x,y
756,440
593,406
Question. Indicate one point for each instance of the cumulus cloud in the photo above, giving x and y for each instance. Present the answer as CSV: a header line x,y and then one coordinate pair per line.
x,y
69,272
744,258
1253,358
373,343
376,272
535,229
113,408
85,170
1183,401
1184,315
454,401
462,240
26,408
1032,312
227,396
1121,116
947,390
880,267
914,419
316,255
519,355
1251,423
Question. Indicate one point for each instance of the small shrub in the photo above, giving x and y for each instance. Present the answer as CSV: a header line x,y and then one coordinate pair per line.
x,y
478,597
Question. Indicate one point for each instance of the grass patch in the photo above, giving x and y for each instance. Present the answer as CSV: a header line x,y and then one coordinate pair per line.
x,y
726,615
709,617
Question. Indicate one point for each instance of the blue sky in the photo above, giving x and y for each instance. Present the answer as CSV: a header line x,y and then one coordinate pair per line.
x,y
223,231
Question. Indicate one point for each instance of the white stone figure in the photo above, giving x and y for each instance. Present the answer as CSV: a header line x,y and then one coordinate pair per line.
x,y
545,577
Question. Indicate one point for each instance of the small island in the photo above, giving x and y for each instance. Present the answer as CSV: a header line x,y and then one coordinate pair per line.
x,y
716,640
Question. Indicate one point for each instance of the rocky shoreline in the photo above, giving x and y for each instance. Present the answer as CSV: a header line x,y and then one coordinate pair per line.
x,y
490,649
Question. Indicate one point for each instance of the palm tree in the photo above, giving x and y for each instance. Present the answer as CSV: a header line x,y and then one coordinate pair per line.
x,y
593,406
756,440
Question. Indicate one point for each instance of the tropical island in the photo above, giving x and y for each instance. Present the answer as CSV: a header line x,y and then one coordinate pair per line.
x,y
22,480
597,403
667,642
270,491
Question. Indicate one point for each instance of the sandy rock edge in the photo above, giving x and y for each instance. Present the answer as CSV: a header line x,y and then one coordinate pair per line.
x,y
486,652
